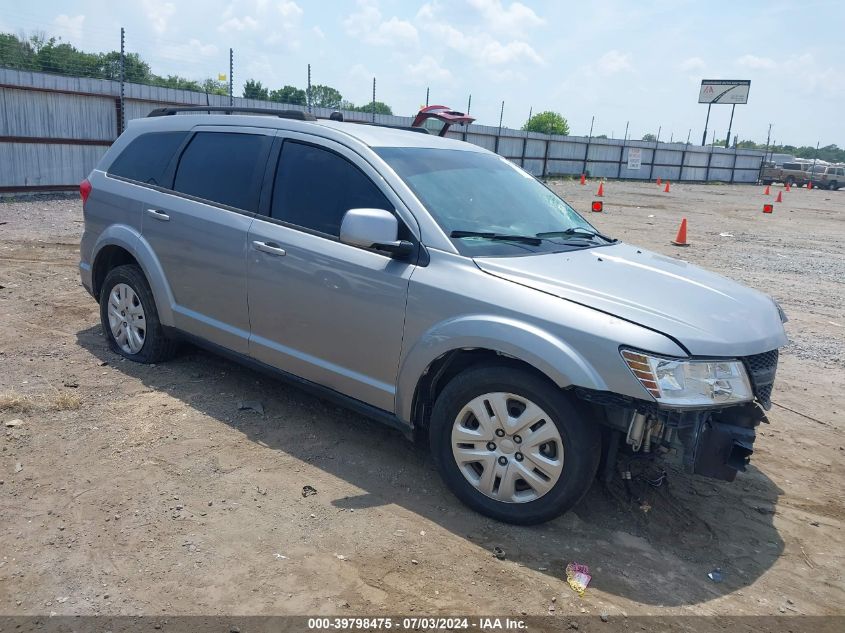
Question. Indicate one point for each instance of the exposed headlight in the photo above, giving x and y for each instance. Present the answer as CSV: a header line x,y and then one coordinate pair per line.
x,y
690,383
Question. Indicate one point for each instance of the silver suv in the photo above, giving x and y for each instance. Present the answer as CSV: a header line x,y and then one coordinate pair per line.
x,y
430,284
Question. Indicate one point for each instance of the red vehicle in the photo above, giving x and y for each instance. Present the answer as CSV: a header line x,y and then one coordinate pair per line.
x,y
437,119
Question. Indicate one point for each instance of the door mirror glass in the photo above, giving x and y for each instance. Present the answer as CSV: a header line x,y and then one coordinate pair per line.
x,y
373,228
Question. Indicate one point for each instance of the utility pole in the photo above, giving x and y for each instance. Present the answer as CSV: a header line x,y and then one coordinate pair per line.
x,y
499,133
469,103
730,125
426,97
231,70
626,131
308,89
530,112
122,122
374,99
659,129
768,138
706,121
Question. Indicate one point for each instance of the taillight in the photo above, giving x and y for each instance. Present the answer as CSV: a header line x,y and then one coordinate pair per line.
x,y
84,190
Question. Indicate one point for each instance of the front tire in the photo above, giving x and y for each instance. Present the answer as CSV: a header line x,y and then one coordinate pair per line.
x,y
130,319
511,445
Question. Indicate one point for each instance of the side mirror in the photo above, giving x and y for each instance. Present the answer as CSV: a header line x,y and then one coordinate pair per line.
x,y
374,228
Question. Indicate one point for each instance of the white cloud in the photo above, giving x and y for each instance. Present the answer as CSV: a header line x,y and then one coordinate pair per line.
x,y
247,23
318,32
479,46
692,64
190,50
756,63
515,18
69,27
428,70
159,14
367,24
613,62
289,10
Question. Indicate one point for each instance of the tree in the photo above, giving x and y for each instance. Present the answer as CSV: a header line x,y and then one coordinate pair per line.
x,y
600,136
547,123
381,108
254,90
288,94
651,138
325,97
214,87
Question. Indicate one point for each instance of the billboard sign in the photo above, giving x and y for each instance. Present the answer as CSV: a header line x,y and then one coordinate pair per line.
x,y
730,91
635,157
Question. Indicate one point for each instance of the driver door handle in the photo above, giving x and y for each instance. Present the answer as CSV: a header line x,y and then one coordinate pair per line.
x,y
271,248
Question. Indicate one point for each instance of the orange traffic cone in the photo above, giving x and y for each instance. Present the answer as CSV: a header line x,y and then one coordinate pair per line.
x,y
681,239
779,198
766,192
659,181
600,192
583,178
788,188
809,185
666,188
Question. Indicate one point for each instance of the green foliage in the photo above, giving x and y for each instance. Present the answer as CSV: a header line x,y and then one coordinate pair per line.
x,y
650,137
288,94
381,108
325,97
547,123
830,153
254,90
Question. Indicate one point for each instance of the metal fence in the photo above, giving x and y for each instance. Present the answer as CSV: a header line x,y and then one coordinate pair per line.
x,y
54,129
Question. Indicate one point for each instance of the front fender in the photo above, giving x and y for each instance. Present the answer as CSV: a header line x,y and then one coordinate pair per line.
x,y
134,243
523,341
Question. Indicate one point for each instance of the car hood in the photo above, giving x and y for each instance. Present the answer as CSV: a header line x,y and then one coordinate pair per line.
x,y
708,314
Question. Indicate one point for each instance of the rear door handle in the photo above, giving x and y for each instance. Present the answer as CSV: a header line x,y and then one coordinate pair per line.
x,y
158,215
271,248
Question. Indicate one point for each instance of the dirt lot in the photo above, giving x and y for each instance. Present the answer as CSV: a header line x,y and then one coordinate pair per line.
x,y
127,489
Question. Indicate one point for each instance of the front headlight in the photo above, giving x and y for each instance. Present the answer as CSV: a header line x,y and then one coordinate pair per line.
x,y
690,383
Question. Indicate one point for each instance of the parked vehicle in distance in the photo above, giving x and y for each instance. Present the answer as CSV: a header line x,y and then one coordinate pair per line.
x,y
793,174
432,285
828,176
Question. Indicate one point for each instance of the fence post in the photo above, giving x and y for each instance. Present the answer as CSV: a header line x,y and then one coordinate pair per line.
x,y
733,167
524,148
683,160
121,124
546,157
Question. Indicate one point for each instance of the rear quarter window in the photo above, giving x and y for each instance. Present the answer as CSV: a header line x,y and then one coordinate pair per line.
x,y
146,158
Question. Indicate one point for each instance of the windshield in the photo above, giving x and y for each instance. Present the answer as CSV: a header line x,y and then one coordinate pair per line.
x,y
487,205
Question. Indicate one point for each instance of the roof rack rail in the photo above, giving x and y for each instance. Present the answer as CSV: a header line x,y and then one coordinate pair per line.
x,y
282,114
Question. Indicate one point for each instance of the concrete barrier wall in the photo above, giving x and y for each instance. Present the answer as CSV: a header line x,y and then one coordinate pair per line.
x,y
54,129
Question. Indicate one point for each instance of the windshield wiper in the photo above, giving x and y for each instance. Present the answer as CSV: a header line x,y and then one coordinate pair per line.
x,y
526,239
576,230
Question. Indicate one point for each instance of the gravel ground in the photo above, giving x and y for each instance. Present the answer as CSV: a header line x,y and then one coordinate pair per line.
x,y
128,489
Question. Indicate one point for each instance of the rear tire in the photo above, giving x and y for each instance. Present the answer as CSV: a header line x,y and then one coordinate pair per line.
x,y
539,481
130,319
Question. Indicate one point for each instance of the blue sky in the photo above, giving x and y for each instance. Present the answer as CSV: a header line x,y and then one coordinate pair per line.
x,y
618,61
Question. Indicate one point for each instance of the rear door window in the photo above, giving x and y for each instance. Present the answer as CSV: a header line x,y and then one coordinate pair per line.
x,y
224,167
146,158
315,187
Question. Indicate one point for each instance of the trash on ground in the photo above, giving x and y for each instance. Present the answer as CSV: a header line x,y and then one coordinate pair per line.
x,y
280,556
13,423
251,405
340,556
578,577
18,467
715,575
499,553
307,491
726,234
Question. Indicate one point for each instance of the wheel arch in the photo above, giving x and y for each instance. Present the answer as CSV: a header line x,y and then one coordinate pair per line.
x,y
121,244
453,346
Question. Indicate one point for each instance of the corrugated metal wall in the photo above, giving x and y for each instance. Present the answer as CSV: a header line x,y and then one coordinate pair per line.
x,y
54,129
